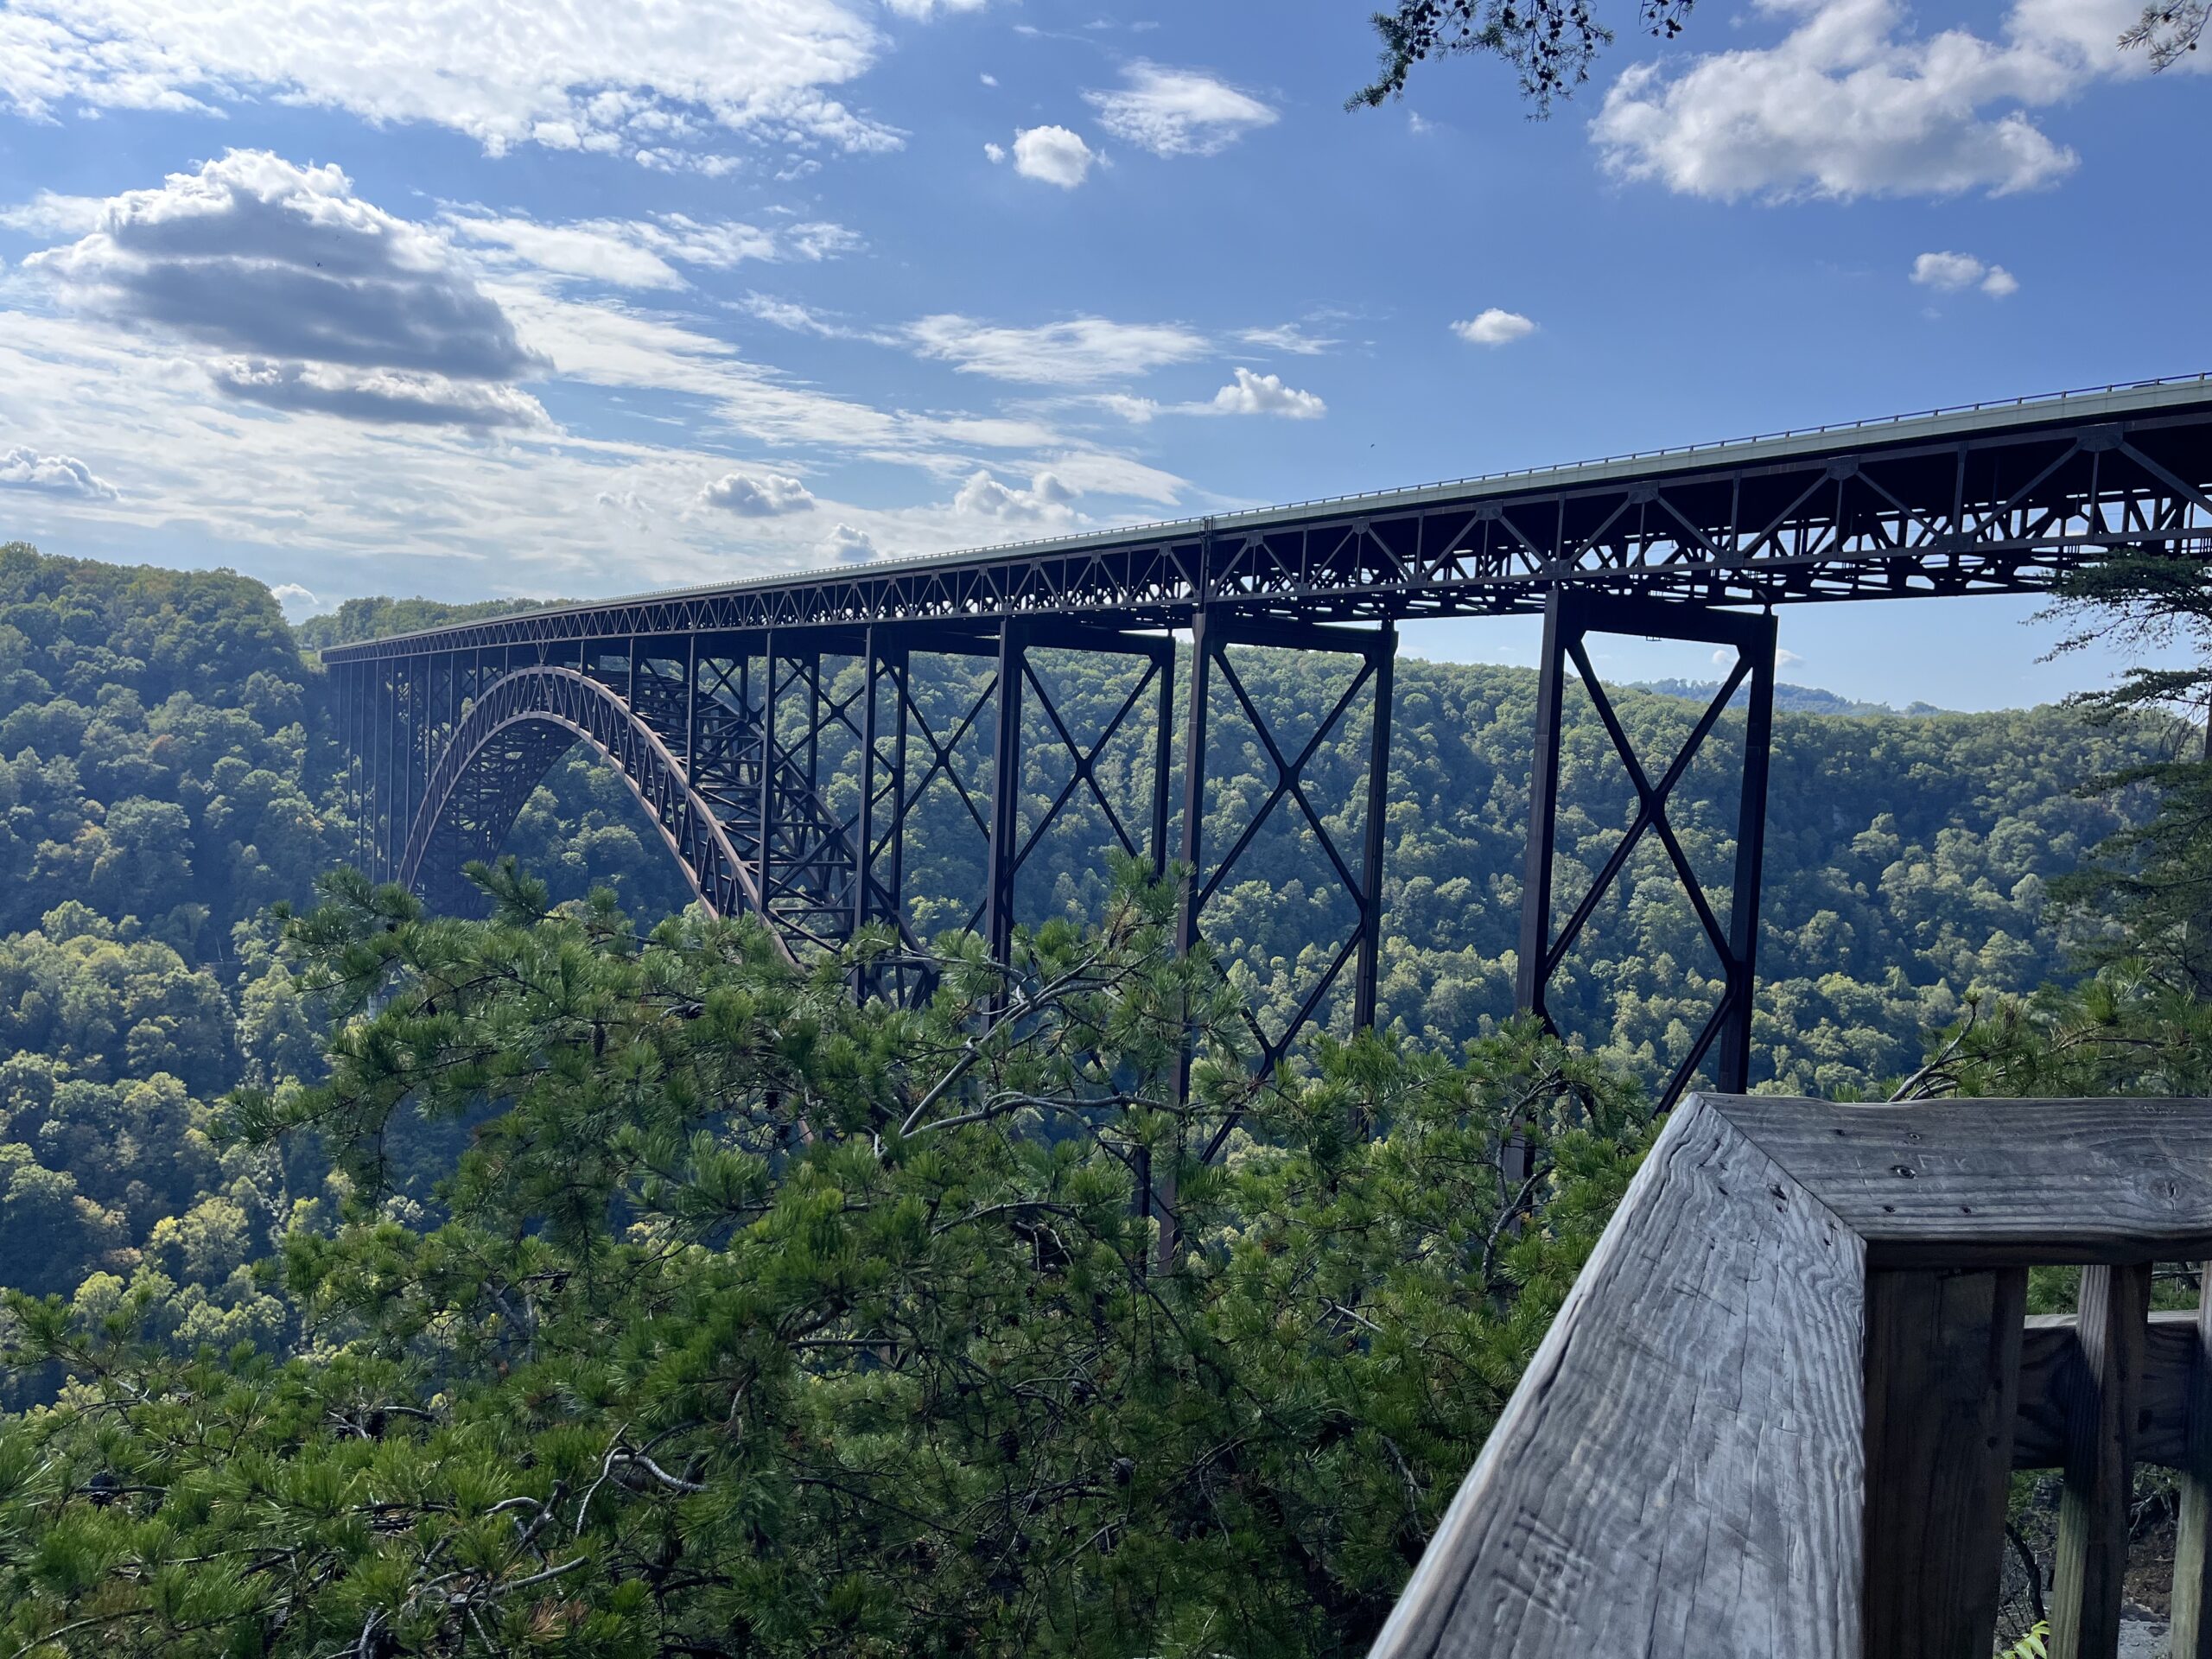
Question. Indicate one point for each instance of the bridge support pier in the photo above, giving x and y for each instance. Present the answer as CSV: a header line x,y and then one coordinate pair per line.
x,y
1571,615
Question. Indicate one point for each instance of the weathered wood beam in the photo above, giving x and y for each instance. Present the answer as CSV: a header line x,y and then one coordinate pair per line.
x,y
1956,1183
2050,1367
2091,1559
1943,1362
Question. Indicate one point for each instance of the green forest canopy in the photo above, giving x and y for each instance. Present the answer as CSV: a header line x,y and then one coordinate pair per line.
x,y
167,772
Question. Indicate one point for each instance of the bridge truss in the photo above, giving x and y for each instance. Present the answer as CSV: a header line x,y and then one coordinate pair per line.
x,y
776,732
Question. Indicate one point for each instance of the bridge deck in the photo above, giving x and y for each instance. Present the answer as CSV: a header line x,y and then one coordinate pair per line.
x,y
1991,498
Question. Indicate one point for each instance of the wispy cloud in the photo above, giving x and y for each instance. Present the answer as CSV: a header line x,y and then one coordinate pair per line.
x,y
1179,112
506,73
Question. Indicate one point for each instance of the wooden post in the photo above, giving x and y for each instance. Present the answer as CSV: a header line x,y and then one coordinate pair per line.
x,y
2092,1553
1943,1374
2192,1627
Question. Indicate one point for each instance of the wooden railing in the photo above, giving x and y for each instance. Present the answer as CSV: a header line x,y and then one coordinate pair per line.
x,y
1779,1413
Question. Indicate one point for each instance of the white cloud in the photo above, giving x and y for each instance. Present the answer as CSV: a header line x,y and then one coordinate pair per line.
x,y
996,153
23,468
1136,410
307,296
599,252
983,496
1078,352
1178,112
1949,272
294,599
636,253
987,78
503,72
923,9
1849,104
844,544
1495,326
1287,337
48,214
1053,155
757,495
1265,394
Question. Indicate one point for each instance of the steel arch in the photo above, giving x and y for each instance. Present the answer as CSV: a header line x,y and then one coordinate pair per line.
x,y
583,708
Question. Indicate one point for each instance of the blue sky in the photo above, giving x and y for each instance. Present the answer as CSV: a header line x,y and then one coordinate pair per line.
x,y
479,297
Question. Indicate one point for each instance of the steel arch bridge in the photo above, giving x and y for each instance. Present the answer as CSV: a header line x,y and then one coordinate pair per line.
x,y
775,731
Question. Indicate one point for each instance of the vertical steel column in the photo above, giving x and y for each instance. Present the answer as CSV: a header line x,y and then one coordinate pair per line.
x,y
1368,968
1733,1070
864,821
342,695
1194,778
387,746
1163,755
768,765
691,710
1531,983
1006,793
813,662
897,668
416,699
1157,1191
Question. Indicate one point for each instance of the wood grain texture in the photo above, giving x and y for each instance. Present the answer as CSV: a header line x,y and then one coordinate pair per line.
x,y
1994,1183
1680,1474
1942,1363
2051,1357
2092,1554
2191,1636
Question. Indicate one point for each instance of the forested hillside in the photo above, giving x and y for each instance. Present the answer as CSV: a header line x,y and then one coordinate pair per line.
x,y
167,775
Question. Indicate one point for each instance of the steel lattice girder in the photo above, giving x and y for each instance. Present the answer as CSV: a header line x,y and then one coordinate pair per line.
x,y
1986,500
